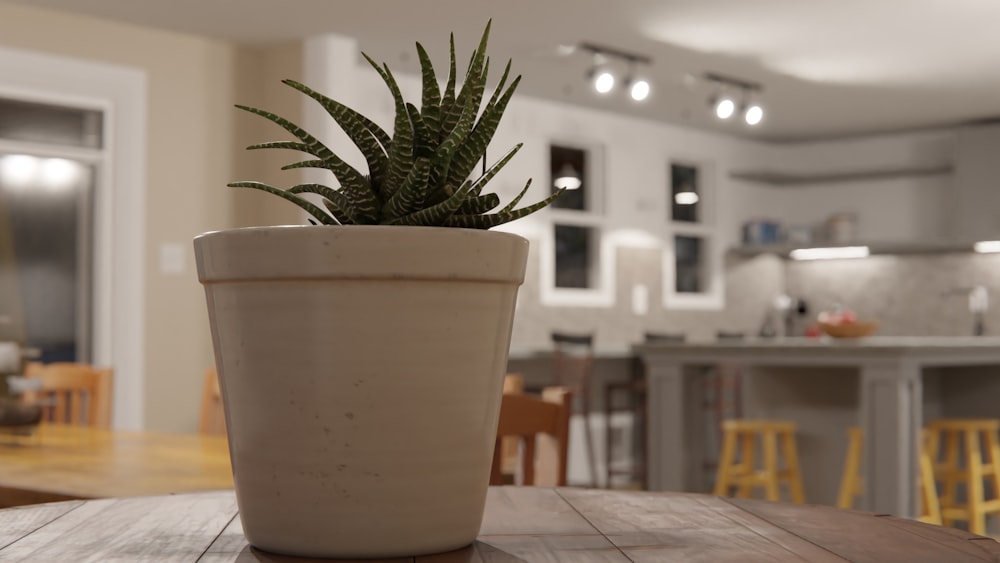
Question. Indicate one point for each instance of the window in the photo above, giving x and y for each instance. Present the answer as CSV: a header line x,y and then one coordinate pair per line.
x,y
576,262
691,267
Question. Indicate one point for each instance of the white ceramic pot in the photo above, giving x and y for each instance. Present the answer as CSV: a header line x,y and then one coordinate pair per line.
x,y
361,369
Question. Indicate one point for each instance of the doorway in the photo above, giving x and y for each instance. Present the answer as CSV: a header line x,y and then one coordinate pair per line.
x,y
50,157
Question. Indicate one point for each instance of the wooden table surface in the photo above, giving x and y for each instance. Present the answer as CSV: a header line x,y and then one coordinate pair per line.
x,y
520,524
71,462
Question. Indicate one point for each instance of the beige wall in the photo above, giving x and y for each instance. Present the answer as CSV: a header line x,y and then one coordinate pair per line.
x,y
193,129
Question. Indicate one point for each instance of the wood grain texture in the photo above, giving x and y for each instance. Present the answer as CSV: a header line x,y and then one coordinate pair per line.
x,y
521,524
63,462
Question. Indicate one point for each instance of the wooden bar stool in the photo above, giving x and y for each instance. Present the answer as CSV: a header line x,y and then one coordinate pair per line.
x,y
743,474
957,447
852,484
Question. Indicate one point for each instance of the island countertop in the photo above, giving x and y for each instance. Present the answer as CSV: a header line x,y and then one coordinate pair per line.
x,y
830,351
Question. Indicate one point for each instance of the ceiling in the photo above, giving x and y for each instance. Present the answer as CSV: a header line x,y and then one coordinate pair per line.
x,y
828,68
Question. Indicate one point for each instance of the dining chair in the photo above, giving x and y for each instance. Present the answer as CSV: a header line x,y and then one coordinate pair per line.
x,y
213,416
573,367
532,420
71,393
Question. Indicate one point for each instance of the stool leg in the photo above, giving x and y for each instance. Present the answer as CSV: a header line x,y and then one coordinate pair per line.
x,y
947,474
794,472
726,460
930,510
977,515
747,466
993,448
849,481
608,397
771,466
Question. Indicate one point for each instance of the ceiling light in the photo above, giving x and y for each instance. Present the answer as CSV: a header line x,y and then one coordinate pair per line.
x,y
604,81
686,198
724,91
725,108
639,89
602,70
567,178
753,114
829,253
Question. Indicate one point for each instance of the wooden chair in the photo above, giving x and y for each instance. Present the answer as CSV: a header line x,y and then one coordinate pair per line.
x,y
527,417
213,417
72,393
573,367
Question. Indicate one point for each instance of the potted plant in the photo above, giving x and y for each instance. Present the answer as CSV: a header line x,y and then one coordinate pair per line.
x,y
361,358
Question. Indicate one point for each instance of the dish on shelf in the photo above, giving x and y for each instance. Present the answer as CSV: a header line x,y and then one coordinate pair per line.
x,y
856,329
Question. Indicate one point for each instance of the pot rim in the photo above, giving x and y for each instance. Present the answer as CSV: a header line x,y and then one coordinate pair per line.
x,y
312,252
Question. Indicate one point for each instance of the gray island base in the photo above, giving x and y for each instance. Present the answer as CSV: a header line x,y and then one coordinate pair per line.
x,y
889,386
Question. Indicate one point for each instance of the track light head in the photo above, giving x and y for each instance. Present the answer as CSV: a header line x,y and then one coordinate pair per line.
x,y
638,89
725,107
753,114
604,81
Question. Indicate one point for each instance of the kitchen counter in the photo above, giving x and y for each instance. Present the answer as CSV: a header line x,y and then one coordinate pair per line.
x,y
887,375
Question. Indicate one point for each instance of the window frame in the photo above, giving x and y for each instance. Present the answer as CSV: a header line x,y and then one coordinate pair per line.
x,y
706,229
594,217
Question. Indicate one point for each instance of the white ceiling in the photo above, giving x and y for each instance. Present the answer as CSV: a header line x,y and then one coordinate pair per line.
x,y
828,68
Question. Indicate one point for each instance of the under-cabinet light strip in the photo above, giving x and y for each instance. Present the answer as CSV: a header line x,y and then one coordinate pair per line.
x,y
986,246
829,253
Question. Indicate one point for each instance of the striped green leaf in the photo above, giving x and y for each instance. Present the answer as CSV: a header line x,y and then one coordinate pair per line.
x,y
430,99
401,152
411,194
448,98
360,134
339,201
437,214
475,145
308,206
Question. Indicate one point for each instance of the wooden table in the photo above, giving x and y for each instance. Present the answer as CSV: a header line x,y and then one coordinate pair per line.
x,y
520,524
70,462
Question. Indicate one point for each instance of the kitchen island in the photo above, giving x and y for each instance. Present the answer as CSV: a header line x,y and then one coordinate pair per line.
x,y
887,376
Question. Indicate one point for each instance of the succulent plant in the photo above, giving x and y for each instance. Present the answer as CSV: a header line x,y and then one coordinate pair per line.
x,y
423,174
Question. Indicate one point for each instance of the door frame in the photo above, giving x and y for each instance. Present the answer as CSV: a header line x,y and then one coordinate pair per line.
x,y
120,93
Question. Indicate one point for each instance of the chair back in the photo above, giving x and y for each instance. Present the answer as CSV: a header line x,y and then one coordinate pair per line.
x,y
72,393
526,417
664,337
573,361
213,416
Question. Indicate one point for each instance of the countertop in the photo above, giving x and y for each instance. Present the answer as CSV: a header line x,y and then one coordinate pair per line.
x,y
950,349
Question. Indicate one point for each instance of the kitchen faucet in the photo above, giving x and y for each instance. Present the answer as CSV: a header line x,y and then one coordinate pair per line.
x,y
979,303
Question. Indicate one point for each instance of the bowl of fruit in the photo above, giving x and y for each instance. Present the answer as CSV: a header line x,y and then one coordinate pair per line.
x,y
844,323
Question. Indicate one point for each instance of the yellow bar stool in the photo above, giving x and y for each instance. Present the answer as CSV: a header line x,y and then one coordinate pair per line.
x,y
966,452
744,475
852,485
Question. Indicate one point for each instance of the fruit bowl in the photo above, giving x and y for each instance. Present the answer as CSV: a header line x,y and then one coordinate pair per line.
x,y
856,329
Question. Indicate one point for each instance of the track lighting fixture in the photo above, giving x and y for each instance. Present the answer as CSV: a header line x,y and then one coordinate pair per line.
x,y
724,105
602,74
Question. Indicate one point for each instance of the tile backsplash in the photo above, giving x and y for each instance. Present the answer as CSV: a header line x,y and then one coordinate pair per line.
x,y
909,295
